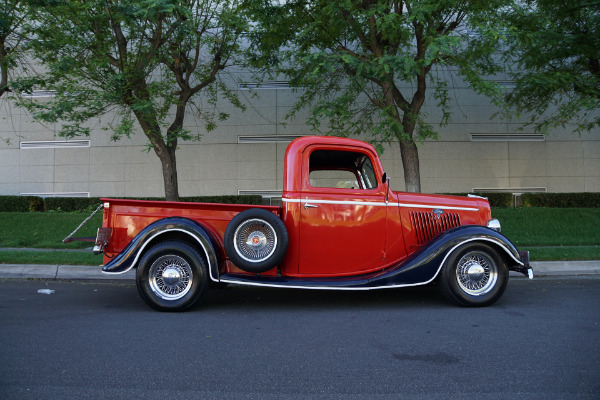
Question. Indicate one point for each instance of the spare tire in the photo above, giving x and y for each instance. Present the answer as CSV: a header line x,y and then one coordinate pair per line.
x,y
256,240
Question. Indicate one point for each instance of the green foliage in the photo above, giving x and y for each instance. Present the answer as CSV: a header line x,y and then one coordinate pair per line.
x,y
89,204
13,13
35,203
561,200
364,68
554,48
70,204
227,199
223,199
21,203
151,62
552,200
498,200
13,204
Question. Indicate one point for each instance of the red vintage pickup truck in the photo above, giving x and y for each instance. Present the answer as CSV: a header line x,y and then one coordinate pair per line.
x,y
340,227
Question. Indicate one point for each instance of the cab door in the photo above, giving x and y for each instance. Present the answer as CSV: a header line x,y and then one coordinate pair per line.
x,y
343,212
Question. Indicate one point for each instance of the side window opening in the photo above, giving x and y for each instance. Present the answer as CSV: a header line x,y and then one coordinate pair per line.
x,y
341,169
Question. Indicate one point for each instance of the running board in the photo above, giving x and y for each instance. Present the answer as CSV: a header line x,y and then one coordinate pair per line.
x,y
361,282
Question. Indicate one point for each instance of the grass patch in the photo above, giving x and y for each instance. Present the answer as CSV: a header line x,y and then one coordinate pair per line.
x,y
49,257
553,234
550,226
45,230
572,253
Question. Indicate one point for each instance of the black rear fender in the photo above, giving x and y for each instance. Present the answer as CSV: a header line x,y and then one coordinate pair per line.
x,y
167,229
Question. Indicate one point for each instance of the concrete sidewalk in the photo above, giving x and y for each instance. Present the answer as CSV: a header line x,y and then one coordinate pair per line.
x,y
86,272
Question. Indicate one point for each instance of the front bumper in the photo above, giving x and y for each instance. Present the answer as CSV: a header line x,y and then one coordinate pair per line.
x,y
524,269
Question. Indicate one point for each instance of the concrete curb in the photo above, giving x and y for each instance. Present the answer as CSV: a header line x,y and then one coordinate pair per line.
x,y
86,272
543,268
60,272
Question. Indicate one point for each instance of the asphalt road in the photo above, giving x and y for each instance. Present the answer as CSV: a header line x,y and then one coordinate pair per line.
x,y
100,341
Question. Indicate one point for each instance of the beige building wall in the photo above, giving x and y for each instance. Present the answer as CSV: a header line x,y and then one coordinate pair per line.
x,y
219,164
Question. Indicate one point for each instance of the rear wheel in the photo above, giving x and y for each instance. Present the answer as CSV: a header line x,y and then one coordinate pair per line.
x,y
474,275
172,276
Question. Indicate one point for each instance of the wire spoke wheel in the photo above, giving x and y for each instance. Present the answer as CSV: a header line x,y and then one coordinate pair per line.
x,y
170,277
255,240
476,273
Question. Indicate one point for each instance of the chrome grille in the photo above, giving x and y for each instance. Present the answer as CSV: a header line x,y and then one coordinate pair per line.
x,y
428,225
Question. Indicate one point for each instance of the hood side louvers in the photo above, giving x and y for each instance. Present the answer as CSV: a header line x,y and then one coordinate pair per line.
x,y
428,225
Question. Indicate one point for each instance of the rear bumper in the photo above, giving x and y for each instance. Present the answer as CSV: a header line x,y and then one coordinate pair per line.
x,y
102,240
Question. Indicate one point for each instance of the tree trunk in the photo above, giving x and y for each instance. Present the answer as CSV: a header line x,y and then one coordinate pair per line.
x,y
3,70
410,162
165,153
169,169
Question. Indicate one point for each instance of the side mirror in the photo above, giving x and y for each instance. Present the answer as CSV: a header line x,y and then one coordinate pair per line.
x,y
384,178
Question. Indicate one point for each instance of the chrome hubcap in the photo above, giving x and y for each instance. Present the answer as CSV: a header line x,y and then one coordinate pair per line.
x,y
476,273
170,277
255,240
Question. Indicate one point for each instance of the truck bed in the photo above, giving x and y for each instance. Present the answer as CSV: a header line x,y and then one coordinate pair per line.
x,y
128,217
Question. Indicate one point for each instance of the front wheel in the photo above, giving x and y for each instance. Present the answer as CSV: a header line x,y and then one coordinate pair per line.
x,y
171,276
474,276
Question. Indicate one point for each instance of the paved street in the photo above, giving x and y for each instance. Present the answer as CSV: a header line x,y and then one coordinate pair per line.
x,y
98,340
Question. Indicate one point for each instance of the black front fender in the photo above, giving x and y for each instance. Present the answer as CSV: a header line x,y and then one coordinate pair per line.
x,y
128,258
420,268
425,264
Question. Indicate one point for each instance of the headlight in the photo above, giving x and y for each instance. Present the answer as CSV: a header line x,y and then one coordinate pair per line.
x,y
494,224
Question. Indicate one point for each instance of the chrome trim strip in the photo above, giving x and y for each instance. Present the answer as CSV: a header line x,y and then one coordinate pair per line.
x,y
370,203
141,250
474,196
342,202
436,206
378,287
351,203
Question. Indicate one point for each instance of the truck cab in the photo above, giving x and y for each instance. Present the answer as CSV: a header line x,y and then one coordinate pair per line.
x,y
335,202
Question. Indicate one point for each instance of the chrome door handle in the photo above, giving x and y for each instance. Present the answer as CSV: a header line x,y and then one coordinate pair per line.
x,y
308,205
